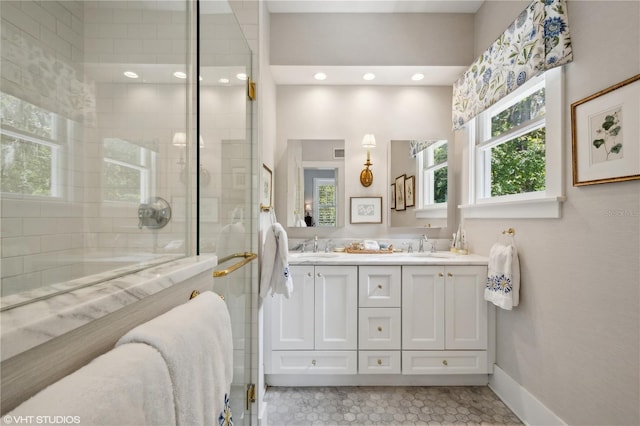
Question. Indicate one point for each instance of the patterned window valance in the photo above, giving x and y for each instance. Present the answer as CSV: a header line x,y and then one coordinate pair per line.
x,y
537,41
416,147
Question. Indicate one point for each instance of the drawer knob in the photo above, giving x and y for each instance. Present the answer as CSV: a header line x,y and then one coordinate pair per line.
x,y
379,328
440,274
380,286
309,274
445,363
449,274
319,274
379,362
313,362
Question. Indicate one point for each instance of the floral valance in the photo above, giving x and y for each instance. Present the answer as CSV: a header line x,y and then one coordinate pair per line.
x,y
537,41
418,146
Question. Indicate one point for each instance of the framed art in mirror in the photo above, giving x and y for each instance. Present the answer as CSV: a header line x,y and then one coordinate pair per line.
x,y
392,197
400,193
366,209
409,191
266,194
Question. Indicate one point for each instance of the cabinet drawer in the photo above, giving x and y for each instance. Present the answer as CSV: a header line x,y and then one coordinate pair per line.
x,y
444,362
314,362
379,362
379,286
379,328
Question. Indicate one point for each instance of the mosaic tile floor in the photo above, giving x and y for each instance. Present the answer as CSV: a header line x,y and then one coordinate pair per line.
x,y
376,405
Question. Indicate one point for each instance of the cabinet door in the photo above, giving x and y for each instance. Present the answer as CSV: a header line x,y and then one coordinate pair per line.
x,y
292,319
422,307
336,307
379,286
466,309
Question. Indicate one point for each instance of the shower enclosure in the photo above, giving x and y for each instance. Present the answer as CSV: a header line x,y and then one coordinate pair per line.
x,y
125,143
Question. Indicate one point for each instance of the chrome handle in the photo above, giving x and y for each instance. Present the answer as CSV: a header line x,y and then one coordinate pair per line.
x,y
309,274
319,274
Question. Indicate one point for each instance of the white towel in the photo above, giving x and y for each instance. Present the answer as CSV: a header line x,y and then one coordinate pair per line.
x,y
195,341
503,280
128,385
275,276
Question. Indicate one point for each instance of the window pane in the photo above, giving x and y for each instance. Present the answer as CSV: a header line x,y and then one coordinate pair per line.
x,y
518,166
527,109
326,216
27,117
26,167
121,183
326,195
440,154
121,150
440,185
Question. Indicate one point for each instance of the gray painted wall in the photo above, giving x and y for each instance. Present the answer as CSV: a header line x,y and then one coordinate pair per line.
x,y
574,340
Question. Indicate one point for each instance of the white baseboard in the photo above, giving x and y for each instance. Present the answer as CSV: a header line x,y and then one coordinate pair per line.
x,y
527,407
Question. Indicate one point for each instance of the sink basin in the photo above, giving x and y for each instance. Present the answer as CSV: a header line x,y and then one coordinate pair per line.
x,y
297,255
438,254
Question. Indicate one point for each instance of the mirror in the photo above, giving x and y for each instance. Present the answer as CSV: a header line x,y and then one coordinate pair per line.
x,y
315,183
432,183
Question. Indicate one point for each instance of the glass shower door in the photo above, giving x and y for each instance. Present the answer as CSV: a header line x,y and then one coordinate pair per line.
x,y
225,176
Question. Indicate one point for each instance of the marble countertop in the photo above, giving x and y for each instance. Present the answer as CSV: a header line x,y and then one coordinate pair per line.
x,y
403,258
29,325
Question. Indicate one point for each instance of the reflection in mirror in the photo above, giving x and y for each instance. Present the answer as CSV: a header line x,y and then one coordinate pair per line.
x,y
315,183
432,183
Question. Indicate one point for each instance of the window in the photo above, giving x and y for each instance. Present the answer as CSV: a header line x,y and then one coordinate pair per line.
x,y
433,170
515,159
128,168
325,193
31,154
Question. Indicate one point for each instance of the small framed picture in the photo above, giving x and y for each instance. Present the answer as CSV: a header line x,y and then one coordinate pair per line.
x,y
409,191
400,196
266,193
392,196
604,135
366,209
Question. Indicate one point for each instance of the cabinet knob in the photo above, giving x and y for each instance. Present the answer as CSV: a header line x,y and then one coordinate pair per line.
x,y
440,274
449,274
319,274
309,274
313,362
444,362
379,362
380,286
379,328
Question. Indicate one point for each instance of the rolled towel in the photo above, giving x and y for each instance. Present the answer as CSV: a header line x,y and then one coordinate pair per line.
x,y
128,385
195,341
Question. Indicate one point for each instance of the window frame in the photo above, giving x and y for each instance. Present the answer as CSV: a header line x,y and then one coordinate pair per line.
x,y
426,209
539,204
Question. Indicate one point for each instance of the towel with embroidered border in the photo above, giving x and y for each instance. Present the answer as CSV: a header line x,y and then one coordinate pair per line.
x,y
196,343
503,280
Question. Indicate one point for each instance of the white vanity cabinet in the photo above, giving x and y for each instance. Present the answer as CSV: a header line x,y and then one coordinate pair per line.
x,y
315,331
444,320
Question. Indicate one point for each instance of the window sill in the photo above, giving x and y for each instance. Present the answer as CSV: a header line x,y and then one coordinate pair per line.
x,y
432,212
538,208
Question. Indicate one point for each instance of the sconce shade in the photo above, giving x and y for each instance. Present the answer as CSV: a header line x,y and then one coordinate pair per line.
x,y
369,141
180,139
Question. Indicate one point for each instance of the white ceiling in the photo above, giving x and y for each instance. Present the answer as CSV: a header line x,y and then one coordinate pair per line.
x,y
385,75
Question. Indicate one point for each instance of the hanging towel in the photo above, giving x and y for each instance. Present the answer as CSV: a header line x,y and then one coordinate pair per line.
x,y
195,341
275,276
503,280
129,385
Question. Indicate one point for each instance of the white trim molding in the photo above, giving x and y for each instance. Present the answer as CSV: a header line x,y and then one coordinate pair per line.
x,y
540,208
527,407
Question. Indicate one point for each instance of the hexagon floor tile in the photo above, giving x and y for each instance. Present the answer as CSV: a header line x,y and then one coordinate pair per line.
x,y
386,405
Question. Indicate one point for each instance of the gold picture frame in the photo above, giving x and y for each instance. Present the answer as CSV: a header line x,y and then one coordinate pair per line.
x,y
410,191
605,131
266,193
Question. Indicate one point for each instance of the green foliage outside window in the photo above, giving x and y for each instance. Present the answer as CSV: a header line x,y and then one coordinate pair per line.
x,y
518,166
26,167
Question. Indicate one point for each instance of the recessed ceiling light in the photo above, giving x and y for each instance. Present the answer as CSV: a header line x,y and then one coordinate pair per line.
x,y
320,76
241,76
130,74
223,80
179,74
369,76
417,77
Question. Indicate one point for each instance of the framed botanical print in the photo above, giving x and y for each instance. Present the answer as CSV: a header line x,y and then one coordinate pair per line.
x,y
409,191
400,195
392,197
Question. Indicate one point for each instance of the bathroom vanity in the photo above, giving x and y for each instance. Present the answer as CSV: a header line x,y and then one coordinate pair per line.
x,y
402,318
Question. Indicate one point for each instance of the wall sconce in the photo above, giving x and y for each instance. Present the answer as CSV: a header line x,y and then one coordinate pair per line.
x,y
366,175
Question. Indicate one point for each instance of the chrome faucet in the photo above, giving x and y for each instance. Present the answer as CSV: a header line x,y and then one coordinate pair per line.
x,y
423,239
315,244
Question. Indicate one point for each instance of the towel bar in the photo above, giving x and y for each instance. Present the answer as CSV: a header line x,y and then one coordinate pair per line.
x,y
246,258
